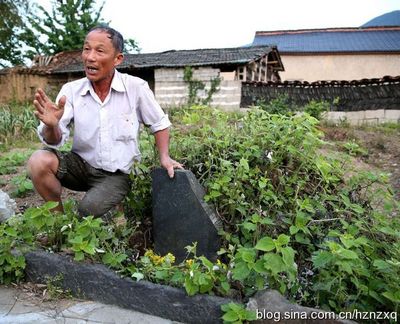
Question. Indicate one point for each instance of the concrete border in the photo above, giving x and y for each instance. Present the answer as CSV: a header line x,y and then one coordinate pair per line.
x,y
99,283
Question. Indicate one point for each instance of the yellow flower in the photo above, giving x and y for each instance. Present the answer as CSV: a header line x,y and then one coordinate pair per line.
x,y
149,253
189,262
170,257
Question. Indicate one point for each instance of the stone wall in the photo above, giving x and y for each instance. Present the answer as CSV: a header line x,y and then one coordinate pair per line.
x,y
172,91
365,94
364,116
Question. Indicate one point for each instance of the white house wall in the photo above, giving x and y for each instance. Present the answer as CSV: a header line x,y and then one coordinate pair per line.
x,y
315,67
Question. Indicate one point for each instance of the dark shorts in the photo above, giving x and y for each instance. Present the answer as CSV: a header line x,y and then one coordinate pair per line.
x,y
104,189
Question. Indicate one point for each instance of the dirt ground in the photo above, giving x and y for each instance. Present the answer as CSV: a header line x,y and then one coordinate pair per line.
x,y
382,149
383,154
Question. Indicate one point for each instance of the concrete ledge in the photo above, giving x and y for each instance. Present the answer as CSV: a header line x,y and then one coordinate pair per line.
x,y
99,283
364,116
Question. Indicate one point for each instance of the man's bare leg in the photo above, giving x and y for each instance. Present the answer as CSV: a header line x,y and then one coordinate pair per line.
x,y
42,169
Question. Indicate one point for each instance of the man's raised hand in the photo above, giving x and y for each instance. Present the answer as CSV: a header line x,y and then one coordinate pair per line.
x,y
46,110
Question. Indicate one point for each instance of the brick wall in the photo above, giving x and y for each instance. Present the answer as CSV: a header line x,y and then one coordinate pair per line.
x,y
172,91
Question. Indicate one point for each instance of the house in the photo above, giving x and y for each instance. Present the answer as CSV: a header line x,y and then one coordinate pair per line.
x,y
369,51
163,71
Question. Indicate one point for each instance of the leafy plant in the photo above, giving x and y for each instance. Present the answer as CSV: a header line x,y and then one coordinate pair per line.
x,y
22,185
292,220
354,149
10,161
236,313
85,237
11,264
281,105
17,122
316,108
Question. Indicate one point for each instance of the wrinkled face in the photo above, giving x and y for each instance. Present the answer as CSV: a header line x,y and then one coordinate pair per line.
x,y
100,57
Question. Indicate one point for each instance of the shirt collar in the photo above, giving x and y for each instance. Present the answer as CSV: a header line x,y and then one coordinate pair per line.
x,y
116,84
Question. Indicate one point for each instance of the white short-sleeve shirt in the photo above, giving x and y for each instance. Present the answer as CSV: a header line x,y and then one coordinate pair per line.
x,y
106,133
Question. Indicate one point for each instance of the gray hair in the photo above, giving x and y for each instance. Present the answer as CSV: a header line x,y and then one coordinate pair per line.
x,y
116,38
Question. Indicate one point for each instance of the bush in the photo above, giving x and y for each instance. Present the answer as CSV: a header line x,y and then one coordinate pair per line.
x,y
292,220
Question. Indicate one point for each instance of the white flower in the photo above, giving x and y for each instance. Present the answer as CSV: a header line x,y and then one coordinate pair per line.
x,y
215,268
191,273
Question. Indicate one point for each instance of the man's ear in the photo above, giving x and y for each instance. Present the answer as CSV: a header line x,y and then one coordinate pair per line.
x,y
118,59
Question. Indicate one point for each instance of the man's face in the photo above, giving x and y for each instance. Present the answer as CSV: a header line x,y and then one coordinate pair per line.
x,y
99,56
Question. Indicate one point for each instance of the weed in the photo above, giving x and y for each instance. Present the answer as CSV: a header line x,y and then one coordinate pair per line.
x,y
22,184
291,220
54,287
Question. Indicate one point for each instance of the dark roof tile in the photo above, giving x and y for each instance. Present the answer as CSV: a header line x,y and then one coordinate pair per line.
x,y
199,57
339,40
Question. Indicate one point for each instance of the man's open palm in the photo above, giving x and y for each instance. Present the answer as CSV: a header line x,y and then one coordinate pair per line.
x,y
46,110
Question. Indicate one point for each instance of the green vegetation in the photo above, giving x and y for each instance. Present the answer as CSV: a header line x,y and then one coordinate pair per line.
x,y
293,221
16,123
196,85
283,105
29,29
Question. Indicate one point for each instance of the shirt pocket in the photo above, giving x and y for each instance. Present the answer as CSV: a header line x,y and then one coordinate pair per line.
x,y
125,128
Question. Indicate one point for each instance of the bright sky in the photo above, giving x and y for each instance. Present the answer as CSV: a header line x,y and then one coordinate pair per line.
x,y
160,25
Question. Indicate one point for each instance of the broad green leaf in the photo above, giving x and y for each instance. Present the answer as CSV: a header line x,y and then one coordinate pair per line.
x,y
394,297
288,256
274,263
230,316
321,258
50,205
247,254
345,266
347,254
79,256
11,231
251,227
265,244
283,239
241,271
190,287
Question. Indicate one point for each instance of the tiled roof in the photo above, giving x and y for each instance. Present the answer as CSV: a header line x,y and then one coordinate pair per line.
x,y
199,57
339,40
387,19
47,64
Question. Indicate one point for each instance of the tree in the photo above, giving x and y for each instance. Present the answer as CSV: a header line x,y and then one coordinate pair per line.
x,y
27,29
131,46
11,26
62,29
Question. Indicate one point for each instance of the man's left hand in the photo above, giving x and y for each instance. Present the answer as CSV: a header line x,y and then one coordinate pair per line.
x,y
170,164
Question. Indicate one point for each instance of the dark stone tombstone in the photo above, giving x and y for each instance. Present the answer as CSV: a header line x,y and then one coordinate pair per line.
x,y
181,217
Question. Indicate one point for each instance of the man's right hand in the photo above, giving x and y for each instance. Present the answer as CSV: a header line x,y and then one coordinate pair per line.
x,y
46,110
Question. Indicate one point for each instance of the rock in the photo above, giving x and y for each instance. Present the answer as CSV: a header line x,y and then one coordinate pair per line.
x,y
272,307
97,282
8,206
181,217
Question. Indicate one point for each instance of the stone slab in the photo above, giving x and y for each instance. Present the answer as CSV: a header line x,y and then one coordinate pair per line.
x,y
181,217
28,308
272,307
97,282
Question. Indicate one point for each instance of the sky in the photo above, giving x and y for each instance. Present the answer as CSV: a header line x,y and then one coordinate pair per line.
x,y
161,25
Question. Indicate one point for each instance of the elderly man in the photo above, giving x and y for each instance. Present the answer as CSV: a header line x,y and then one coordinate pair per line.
x,y
106,108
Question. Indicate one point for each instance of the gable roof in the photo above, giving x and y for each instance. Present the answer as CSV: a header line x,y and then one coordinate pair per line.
x,y
332,40
199,57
